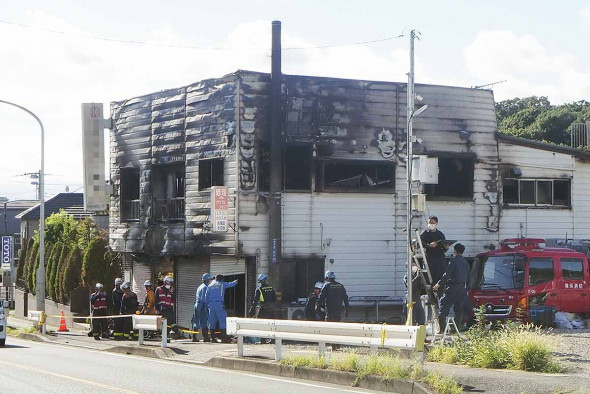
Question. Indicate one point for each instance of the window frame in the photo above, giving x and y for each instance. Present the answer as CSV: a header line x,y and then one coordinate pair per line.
x,y
529,271
536,203
211,161
129,208
320,175
563,260
430,189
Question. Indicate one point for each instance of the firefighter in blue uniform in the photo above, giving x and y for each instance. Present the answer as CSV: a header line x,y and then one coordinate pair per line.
x,y
201,312
214,297
98,303
454,285
263,304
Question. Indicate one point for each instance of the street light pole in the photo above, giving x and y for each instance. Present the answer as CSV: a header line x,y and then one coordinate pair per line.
x,y
41,270
409,158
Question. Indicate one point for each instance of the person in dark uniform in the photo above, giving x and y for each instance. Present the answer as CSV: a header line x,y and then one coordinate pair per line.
x,y
263,304
310,311
129,306
117,296
434,248
418,315
98,302
332,296
453,283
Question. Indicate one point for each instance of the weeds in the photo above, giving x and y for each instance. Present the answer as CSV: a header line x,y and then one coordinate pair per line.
x,y
511,345
15,331
386,366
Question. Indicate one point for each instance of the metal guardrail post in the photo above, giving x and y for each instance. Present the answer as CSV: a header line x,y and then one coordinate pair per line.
x,y
278,349
140,339
164,332
240,346
322,347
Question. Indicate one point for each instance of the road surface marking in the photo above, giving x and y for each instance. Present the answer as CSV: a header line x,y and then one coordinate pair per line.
x,y
187,365
59,375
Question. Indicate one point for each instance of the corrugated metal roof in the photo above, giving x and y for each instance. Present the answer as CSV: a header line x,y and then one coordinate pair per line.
x,y
544,146
72,203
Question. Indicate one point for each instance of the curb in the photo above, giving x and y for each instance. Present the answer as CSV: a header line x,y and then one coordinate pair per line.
x,y
320,375
33,337
152,352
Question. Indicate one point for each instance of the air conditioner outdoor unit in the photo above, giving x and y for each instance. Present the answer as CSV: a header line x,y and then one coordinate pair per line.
x,y
296,313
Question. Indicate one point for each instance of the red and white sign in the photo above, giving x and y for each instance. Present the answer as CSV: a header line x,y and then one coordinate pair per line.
x,y
219,206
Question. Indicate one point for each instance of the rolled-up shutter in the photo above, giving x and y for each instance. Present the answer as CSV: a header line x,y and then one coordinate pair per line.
x,y
189,274
139,274
227,265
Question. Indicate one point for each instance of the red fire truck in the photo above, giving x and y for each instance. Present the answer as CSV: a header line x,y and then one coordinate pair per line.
x,y
524,274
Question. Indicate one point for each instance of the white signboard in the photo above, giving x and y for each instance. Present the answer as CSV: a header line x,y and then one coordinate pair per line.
x,y
7,248
219,205
93,150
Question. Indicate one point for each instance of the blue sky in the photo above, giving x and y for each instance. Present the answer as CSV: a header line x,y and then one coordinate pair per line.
x,y
538,47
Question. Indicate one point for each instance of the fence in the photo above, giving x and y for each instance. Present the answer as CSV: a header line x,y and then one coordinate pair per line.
x,y
580,135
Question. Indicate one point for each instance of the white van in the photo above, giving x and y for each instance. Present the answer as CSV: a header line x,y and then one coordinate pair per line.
x,y
3,321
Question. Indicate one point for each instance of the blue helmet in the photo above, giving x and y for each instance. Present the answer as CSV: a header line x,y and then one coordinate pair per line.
x,y
330,275
262,278
207,277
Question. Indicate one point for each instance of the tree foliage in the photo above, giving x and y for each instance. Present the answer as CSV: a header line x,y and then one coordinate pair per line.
x,y
22,257
535,118
95,265
72,273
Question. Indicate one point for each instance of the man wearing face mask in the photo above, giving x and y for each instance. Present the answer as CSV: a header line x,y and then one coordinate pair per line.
x,y
418,314
435,249
165,300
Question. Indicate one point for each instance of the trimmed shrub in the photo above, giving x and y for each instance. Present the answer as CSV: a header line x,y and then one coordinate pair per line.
x,y
72,273
59,270
22,257
50,270
95,267
32,261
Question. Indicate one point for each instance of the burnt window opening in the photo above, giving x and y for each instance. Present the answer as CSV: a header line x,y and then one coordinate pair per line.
x,y
353,176
168,192
302,274
455,179
264,168
130,194
210,173
537,192
298,164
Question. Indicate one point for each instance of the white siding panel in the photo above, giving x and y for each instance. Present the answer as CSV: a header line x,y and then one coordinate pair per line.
x,y
360,230
581,200
536,223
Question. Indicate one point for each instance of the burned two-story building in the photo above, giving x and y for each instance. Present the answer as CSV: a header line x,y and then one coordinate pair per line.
x,y
343,181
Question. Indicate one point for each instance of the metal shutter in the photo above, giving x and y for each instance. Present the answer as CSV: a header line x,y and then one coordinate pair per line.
x,y
227,265
189,274
139,274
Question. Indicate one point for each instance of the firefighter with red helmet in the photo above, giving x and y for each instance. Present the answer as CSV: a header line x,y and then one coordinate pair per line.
x,y
98,304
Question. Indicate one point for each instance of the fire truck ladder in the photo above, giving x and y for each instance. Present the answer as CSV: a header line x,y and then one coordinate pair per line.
x,y
418,253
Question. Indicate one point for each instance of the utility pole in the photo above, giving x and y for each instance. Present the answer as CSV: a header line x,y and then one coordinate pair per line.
x,y
409,158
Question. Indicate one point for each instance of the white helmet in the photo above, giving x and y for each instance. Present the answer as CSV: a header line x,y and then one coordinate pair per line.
x,y
319,285
126,285
168,279
99,286
118,281
147,283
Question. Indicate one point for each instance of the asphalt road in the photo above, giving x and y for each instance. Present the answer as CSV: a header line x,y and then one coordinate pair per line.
x,y
31,367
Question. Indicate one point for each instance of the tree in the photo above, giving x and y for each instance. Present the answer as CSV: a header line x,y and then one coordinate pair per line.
x,y
48,249
95,267
22,257
73,272
61,227
50,274
32,261
59,269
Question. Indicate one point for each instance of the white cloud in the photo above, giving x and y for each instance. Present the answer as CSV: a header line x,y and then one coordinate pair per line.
x,y
529,66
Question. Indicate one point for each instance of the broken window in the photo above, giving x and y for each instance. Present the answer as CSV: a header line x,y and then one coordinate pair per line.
x,y
130,194
533,192
210,173
355,176
168,191
455,179
298,167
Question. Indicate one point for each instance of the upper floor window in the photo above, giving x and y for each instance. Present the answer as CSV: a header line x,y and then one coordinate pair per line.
x,y
537,192
355,176
168,190
455,179
129,194
210,173
298,162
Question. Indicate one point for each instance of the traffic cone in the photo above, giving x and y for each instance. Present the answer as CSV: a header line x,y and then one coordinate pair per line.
x,y
62,323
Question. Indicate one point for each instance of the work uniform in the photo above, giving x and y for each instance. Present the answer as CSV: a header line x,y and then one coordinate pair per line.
x,y
98,303
332,296
418,315
117,296
310,311
264,301
453,283
129,306
214,298
149,304
201,313
165,299
434,255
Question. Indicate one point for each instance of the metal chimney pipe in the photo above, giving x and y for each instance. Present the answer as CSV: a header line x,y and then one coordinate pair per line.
x,y
276,162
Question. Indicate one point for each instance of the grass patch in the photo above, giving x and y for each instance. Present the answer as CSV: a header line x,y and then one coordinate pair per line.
x,y
510,345
14,332
386,366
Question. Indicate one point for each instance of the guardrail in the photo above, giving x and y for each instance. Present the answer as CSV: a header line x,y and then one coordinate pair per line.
x,y
151,323
374,336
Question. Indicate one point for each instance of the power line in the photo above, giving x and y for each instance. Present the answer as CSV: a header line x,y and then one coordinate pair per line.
x,y
147,43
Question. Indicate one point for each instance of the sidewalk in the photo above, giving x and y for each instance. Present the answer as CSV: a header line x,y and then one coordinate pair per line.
x,y
186,351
